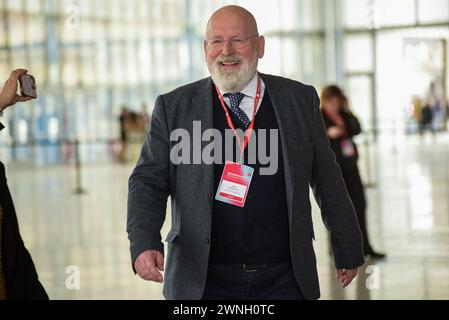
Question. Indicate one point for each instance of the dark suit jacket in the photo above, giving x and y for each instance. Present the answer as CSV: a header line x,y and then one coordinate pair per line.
x,y
22,282
307,160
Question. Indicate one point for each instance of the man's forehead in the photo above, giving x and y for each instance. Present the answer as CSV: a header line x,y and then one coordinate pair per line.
x,y
231,20
227,28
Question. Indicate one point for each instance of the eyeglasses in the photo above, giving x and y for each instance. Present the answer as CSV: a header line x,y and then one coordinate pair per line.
x,y
236,43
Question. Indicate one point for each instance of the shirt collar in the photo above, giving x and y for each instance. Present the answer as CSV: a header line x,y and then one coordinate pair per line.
x,y
250,89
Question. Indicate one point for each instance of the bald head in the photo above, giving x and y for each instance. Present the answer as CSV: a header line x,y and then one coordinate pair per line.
x,y
232,47
233,18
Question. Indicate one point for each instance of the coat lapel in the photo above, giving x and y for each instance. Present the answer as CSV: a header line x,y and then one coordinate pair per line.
x,y
202,107
281,106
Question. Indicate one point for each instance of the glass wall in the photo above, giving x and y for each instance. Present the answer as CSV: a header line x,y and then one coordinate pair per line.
x,y
90,57
384,73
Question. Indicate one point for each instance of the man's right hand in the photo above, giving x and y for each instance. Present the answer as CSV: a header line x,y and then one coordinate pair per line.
x,y
148,264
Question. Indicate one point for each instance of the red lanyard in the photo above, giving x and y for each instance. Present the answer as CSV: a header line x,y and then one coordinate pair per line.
x,y
248,132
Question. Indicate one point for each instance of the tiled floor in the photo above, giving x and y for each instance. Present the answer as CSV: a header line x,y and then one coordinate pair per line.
x,y
408,219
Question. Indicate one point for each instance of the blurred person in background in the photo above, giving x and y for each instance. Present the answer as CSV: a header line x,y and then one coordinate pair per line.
x,y
446,119
342,126
135,132
426,120
18,276
417,106
124,116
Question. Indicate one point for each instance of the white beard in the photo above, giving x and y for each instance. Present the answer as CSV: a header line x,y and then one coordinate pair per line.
x,y
235,81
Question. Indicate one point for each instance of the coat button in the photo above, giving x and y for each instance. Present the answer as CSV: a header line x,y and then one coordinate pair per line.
x,y
207,241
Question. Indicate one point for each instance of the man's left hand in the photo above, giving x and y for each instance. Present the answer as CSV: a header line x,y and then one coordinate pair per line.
x,y
345,276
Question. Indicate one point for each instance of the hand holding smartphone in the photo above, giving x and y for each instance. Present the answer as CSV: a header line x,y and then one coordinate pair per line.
x,y
28,86
8,93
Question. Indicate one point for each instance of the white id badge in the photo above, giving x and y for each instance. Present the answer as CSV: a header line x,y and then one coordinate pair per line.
x,y
234,184
347,148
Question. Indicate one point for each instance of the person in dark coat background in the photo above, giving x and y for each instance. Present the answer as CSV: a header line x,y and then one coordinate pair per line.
x,y
342,126
18,276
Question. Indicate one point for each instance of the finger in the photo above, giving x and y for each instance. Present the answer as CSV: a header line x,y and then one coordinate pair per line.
x,y
140,268
22,98
150,267
340,273
15,74
351,275
146,272
343,281
160,261
156,275
353,272
347,281
143,268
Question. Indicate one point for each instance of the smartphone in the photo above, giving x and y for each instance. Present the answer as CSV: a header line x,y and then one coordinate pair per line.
x,y
28,86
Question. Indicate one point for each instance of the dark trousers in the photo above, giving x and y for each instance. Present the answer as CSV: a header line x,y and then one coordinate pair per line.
x,y
356,192
257,282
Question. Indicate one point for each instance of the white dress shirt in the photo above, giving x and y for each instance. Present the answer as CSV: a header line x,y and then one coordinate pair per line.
x,y
247,104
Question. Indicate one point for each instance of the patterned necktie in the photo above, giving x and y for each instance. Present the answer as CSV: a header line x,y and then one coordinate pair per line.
x,y
235,99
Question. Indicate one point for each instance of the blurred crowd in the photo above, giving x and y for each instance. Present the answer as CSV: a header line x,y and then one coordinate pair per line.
x,y
430,114
133,128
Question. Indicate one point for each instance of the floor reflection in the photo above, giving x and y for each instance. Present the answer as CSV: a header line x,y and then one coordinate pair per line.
x,y
408,214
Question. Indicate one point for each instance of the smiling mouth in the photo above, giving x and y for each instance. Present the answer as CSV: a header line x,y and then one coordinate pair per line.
x,y
229,64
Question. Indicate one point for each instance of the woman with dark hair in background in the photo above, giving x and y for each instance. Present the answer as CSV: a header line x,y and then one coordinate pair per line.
x,y
341,126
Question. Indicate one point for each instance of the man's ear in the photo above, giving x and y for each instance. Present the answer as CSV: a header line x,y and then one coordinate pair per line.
x,y
261,46
205,50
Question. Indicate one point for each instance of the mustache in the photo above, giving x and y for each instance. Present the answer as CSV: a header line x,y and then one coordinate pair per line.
x,y
231,59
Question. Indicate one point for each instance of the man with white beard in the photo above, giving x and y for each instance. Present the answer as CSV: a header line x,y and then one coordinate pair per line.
x,y
237,233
